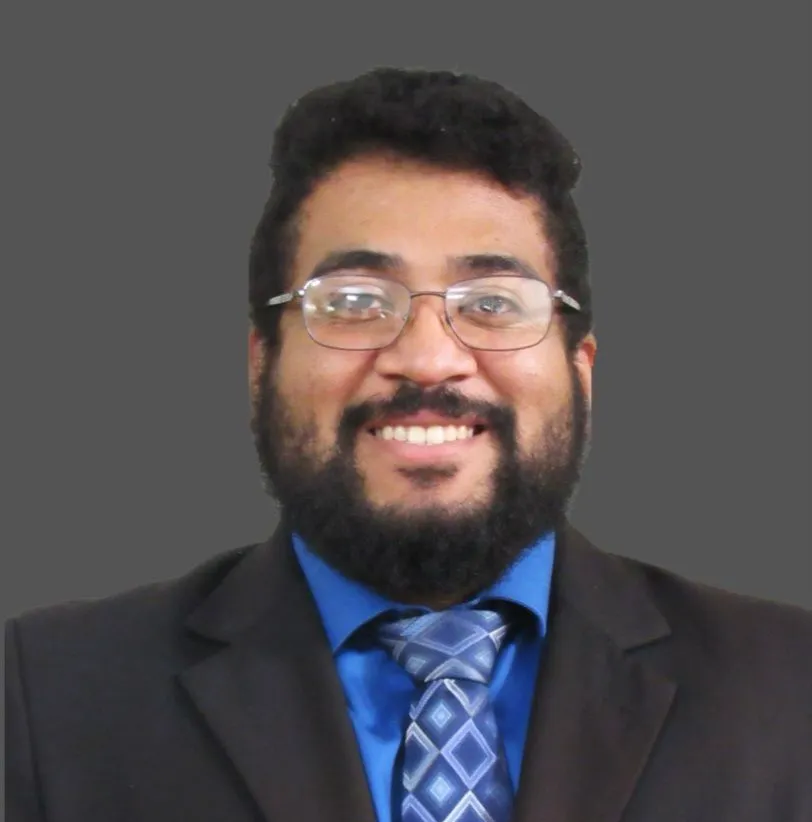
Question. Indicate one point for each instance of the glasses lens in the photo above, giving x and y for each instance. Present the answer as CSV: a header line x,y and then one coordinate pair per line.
x,y
354,312
500,313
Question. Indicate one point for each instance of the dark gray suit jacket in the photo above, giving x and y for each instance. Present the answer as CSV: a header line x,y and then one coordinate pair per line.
x,y
214,698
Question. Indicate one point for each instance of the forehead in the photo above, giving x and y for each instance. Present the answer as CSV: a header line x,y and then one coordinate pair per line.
x,y
422,214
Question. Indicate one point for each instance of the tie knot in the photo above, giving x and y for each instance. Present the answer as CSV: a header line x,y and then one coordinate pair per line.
x,y
446,645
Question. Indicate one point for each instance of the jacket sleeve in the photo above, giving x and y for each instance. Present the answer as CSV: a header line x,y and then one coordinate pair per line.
x,y
23,800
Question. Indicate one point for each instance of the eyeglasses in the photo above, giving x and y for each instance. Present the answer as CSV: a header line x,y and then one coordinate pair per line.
x,y
356,312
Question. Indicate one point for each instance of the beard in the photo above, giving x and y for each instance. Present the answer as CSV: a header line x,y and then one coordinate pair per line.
x,y
435,553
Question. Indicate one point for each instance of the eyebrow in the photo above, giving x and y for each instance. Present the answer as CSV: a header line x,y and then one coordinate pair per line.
x,y
473,265
483,265
355,258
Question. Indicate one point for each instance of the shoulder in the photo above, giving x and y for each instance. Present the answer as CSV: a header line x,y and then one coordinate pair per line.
x,y
714,612
624,591
762,645
693,631
153,612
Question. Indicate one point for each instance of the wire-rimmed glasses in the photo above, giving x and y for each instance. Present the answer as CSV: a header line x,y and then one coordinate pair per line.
x,y
359,312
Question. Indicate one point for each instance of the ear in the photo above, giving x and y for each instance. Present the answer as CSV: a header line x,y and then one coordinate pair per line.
x,y
584,360
256,358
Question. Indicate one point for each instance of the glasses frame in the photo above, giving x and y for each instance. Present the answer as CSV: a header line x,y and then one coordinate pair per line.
x,y
559,299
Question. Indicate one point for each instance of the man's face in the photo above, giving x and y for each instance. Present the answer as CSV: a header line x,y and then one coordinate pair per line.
x,y
519,403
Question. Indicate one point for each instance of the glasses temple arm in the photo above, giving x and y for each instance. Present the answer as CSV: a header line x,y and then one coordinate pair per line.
x,y
567,300
281,299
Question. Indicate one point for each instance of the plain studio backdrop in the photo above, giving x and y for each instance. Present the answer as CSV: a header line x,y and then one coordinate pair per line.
x,y
135,143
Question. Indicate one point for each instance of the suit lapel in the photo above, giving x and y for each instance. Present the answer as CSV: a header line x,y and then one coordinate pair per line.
x,y
598,709
271,696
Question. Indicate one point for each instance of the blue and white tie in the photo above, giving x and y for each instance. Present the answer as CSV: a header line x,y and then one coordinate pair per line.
x,y
454,767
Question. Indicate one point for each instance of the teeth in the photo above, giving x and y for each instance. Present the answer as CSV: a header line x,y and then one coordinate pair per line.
x,y
435,435
418,435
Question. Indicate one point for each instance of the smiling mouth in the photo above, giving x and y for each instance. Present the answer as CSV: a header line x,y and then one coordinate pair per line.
x,y
427,434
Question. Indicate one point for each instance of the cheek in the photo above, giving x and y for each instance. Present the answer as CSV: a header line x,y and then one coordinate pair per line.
x,y
318,383
536,387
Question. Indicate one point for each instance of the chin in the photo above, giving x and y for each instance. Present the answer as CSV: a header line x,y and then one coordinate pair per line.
x,y
428,489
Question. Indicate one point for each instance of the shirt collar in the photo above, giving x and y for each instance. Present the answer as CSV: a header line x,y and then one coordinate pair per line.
x,y
346,605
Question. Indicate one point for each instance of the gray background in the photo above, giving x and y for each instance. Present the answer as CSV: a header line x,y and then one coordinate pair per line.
x,y
134,155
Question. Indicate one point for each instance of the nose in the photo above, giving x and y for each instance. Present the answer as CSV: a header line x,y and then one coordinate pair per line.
x,y
427,351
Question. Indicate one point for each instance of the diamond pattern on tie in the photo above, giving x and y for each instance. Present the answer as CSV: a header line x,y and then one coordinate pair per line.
x,y
454,768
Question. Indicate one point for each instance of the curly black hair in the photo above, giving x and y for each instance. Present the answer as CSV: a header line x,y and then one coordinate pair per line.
x,y
450,120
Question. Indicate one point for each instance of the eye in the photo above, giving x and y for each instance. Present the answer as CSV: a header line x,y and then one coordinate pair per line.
x,y
491,308
355,304
492,304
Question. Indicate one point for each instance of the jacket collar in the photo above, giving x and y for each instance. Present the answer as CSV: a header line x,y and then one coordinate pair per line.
x,y
271,695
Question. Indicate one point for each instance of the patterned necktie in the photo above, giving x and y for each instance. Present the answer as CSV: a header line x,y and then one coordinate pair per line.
x,y
454,767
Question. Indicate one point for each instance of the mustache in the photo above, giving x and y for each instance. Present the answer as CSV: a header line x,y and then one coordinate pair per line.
x,y
411,398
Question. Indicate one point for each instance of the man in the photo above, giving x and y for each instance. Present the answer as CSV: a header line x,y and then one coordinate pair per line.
x,y
425,637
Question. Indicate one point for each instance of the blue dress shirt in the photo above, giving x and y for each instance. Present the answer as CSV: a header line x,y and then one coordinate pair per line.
x,y
379,691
